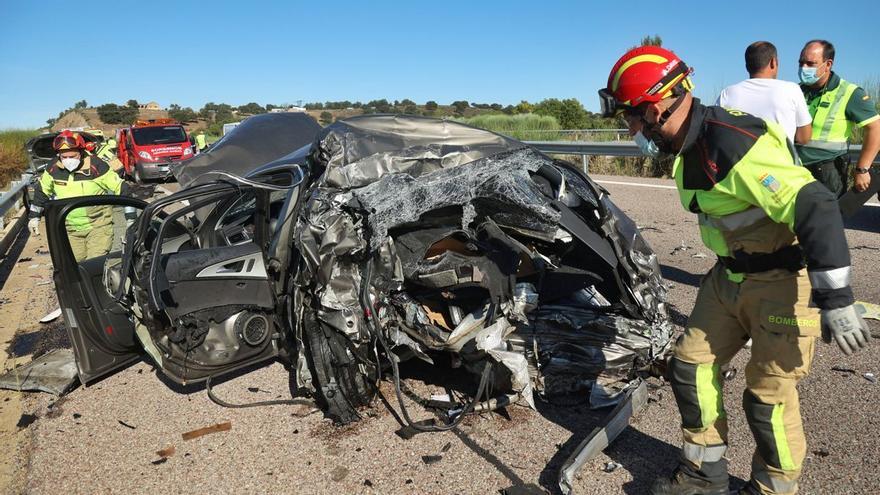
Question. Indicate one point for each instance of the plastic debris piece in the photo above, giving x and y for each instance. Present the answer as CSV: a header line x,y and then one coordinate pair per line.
x,y
611,466
431,459
26,420
51,316
698,255
225,426
123,423
730,374
446,447
167,451
870,377
868,310
843,369
821,453
35,265
23,260
162,460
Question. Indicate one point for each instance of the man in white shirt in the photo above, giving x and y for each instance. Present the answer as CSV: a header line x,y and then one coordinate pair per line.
x,y
762,95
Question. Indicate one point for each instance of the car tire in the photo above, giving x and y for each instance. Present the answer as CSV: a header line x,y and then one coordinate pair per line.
x,y
341,388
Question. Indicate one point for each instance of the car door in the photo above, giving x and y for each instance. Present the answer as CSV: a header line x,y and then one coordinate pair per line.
x,y
211,309
101,330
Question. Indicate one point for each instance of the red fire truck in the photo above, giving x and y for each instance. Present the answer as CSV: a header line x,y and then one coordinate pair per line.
x,y
147,148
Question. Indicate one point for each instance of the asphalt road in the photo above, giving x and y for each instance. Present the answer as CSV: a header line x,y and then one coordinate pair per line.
x,y
80,444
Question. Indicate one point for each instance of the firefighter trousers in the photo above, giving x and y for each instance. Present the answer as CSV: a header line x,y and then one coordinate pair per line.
x,y
772,309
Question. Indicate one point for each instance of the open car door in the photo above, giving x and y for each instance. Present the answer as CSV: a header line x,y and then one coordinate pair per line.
x,y
85,238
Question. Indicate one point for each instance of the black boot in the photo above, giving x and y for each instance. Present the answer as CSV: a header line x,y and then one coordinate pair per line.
x,y
682,482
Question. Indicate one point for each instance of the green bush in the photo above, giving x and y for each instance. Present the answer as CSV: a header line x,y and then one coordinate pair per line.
x,y
13,158
524,126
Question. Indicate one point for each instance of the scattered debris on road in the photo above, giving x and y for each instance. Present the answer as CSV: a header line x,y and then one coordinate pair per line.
x,y
51,316
821,453
26,420
54,372
680,247
123,423
225,426
166,452
611,466
870,377
843,369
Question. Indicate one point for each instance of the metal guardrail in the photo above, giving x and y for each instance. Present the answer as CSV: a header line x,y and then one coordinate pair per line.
x,y
12,199
619,148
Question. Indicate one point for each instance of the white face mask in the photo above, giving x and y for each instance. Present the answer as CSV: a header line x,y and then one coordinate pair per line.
x,y
648,146
70,164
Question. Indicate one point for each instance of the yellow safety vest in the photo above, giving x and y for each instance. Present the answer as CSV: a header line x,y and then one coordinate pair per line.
x,y
831,129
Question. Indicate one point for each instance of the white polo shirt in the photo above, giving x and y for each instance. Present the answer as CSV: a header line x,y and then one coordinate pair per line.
x,y
770,99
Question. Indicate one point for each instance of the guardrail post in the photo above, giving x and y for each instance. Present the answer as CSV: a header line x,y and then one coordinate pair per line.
x,y
585,160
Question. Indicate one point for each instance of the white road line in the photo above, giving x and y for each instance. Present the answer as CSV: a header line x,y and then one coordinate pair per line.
x,y
660,186
639,184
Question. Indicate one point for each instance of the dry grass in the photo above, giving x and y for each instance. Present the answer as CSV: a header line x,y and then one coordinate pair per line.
x,y
13,158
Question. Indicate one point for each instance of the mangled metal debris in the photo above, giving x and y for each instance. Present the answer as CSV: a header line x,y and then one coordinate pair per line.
x,y
54,372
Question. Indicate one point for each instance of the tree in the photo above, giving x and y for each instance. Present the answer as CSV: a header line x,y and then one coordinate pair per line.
x,y
380,106
181,114
652,41
523,107
509,109
406,102
80,104
431,106
252,108
569,113
132,103
460,106
111,113
326,117
411,109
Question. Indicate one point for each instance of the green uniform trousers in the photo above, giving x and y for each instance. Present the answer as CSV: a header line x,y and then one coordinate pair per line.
x,y
772,309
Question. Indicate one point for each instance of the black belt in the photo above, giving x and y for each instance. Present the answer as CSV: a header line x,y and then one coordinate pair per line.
x,y
789,258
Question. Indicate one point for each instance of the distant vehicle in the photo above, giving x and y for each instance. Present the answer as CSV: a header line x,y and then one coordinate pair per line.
x,y
230,126
148,148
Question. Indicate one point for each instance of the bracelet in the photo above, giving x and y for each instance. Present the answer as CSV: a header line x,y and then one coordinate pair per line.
x,y
859,170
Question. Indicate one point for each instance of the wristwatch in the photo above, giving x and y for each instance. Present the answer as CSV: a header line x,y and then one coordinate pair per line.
x,y
859,170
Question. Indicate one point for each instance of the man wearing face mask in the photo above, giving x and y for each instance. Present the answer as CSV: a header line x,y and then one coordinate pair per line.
x,y
765,218
79,173
836,106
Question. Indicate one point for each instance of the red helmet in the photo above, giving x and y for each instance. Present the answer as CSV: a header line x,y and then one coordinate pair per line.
x,y
68,140
646,74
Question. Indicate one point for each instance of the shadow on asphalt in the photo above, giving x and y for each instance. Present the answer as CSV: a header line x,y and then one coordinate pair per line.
x,y
680,276
12,256
867,219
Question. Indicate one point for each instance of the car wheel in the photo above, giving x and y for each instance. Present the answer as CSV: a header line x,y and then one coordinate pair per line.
x,y
341,388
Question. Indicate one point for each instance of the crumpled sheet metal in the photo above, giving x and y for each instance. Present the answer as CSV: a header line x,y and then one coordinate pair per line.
x,y
360,150
54,372
501,181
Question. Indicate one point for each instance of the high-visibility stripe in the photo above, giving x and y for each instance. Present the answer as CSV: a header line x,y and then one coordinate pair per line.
x,y
734,221
868,121
785,461
775,484
842,90
709,393
837,278
699,454
827,145
635,60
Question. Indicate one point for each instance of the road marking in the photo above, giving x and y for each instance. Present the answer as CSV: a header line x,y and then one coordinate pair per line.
x,y
639,184
660,186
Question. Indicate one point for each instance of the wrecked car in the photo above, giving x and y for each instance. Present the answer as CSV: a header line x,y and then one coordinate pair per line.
x,y
384,239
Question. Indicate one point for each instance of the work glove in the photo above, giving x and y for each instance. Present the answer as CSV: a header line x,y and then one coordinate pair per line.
x,y
846,327
34,225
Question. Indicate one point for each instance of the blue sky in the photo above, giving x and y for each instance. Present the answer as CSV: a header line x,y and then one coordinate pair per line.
x,y
492,51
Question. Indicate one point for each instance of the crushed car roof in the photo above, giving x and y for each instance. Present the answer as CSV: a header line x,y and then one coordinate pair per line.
x,y
256,141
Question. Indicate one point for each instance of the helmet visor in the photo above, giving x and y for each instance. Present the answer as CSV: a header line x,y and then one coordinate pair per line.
x,y
62,143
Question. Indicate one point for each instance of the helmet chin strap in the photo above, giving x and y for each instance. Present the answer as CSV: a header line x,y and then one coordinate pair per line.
x,y
653,129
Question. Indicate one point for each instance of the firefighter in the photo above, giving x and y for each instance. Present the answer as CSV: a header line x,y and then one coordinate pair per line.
x,y
107,152
201,141
79,173
765,218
